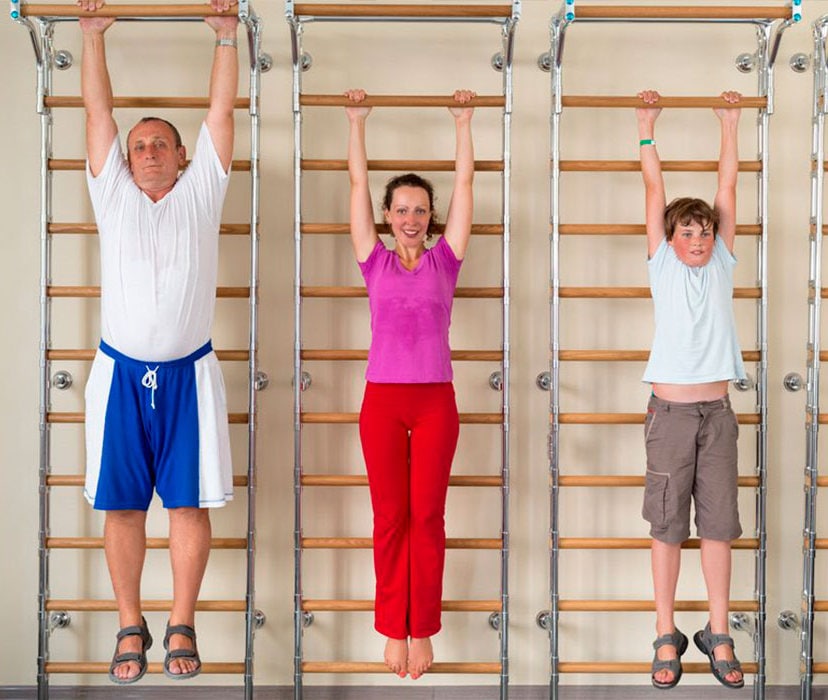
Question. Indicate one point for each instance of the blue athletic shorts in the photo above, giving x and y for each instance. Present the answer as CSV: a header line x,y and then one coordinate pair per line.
x,y
156,425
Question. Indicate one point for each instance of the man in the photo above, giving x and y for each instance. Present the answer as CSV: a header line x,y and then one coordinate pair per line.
x,y
156,414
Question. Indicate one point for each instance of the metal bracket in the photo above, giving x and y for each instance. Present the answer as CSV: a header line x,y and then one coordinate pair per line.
x,y
496,380
306,61
497,62
305,381
800,62
265,62
262,381
746,62
745,384
307,618
494,621
545,61
788,620
259,619
793,381
59,620
544,620
63,59
741,622
62,380
544,381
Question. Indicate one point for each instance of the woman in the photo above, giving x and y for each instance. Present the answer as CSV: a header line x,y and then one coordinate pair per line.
x,y
409,423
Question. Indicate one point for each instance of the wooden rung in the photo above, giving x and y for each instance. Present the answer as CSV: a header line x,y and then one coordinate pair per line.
x,y
86,355
637,293
456,355
630,418
87,228
637,667
820,667
89,292
589,481
362,480
822,481
649,605
345,229
422,10
103,667
63,164
336,164
465,418
640,543
667,166
664,102
367,543
400,101
379,667
146,102
820,605
821,543
634,230
152,543
368,605
823,418
584,11
77,417
71,10
627,355
360,292
79,480
88,605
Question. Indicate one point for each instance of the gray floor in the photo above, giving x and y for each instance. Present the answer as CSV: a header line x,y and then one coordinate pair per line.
x,y
149,692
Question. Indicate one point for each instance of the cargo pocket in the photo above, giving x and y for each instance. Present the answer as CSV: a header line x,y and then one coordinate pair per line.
x,y
657,510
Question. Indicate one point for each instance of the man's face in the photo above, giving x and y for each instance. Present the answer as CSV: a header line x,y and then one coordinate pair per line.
x,y
154,159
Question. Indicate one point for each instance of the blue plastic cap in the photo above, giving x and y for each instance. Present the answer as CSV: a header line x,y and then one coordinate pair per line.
x,y
570,2
570,15
15,14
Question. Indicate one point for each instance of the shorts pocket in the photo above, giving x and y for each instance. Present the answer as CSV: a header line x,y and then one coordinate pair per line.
x,y
658,507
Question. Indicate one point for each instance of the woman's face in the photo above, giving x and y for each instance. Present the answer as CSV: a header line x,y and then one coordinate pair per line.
x,y
409,216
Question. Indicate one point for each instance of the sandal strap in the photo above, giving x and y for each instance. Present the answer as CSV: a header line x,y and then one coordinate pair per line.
x,y
131,631
183,654
127,656
716,640
673,665
725,666
186,630
676,639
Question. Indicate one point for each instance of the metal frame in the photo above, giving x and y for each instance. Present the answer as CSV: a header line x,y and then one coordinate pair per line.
x,y
42,38
301,62
768,40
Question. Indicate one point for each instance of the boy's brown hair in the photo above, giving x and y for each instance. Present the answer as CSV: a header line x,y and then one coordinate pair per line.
x,y
685,210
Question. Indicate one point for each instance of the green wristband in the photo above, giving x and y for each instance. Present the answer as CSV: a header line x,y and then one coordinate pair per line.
x,y
647,142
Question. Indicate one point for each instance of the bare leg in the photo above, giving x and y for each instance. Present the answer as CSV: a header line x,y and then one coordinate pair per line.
x,y
125,544
666,564
190,534
715,561
396,656
420,656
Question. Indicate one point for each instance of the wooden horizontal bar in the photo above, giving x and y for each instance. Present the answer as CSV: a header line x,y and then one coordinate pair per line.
x,y
330,417
103,667
340,165
77,417
362,480
640,543
820,667
368,605
360,292
88,605
146,102
152,543
66,164
821,606
79,480
637,293
667,166
89,292
637,667
649,605
821,543
379,667
584,11
86,355
627,355
400,101
88,228
422,10
367,543
663,102
72,10
624,481
456,355
631,418
313,229
634,229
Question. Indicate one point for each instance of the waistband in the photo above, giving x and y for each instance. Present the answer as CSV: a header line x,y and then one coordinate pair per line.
x,y
723,402
189,359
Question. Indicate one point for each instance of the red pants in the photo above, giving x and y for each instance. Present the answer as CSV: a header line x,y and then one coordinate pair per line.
x,y
409,435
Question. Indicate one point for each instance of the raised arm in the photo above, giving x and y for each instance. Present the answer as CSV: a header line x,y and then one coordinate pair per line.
x,y
725,202
461,207
224,82
96,87
654,198
363,230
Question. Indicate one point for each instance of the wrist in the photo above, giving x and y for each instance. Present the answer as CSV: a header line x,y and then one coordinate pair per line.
x,y
226,41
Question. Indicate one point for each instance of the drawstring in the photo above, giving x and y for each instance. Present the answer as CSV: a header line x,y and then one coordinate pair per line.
x,y
150,381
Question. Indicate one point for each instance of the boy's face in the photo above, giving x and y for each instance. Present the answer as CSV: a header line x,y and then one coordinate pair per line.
x,y
693,243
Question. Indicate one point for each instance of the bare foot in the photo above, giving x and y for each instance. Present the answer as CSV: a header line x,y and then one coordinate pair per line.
x,y
128,669
420,656
396,656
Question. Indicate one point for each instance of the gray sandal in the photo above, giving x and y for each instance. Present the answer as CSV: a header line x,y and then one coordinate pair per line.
x,y
679,641
138,657
191,654
706,641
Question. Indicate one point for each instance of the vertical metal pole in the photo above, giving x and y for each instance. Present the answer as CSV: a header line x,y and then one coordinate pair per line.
x,y
254,44
813,359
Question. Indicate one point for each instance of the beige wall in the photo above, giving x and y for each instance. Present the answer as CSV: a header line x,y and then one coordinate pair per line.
x,y
395,59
